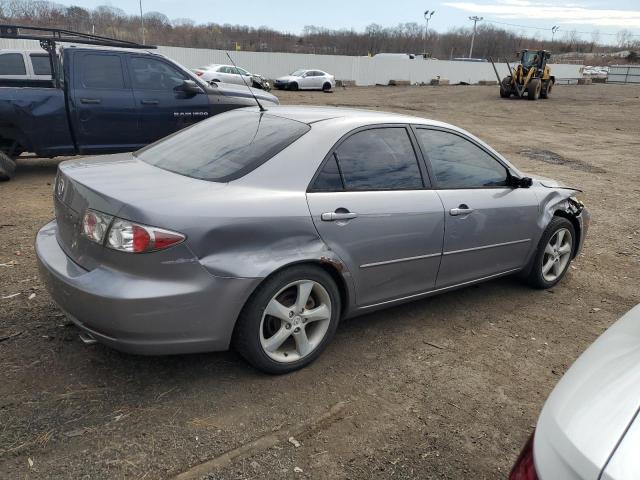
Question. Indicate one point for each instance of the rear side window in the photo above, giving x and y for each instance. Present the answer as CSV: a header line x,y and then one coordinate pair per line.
x,y
225,147
376,159
458,163
12,64
101,71
41,64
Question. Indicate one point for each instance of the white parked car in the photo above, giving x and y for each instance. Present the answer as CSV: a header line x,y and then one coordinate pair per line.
x,y
306,80
230,74
589,427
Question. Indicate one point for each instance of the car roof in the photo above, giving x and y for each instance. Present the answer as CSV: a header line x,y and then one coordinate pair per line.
x,y
312,114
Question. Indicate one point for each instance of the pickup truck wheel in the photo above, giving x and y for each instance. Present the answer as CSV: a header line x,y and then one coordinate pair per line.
x,y
7,167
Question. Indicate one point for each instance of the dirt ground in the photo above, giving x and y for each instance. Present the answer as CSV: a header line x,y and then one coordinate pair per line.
x,y
447,387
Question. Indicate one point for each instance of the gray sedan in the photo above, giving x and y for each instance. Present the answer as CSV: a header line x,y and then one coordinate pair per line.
x,y
264,229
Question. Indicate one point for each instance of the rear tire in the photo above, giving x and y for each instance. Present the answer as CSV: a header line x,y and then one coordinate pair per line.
x,y
554,254
7,167
289,338
326,87
293,86
546,89
533,89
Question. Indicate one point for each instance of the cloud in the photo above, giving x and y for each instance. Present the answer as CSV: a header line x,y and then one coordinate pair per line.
x,y
566,14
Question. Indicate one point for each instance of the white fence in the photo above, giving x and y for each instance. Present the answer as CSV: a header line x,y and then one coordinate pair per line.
x,y
624,74
361,70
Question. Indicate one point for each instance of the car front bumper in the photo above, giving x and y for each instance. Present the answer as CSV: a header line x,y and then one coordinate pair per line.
x,y
142,315
584,219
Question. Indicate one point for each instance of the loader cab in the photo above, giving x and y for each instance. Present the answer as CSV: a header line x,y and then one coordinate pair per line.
x,y
534,58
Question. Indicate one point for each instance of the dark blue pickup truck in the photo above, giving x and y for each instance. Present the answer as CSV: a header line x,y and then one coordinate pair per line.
x,y
109,100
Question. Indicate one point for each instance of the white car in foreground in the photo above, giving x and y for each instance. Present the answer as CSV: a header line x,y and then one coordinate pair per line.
x,y
306,80
589,426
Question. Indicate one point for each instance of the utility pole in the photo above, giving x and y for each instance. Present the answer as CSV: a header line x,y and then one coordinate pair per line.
x,y
427,17
141,22
554,29
475,20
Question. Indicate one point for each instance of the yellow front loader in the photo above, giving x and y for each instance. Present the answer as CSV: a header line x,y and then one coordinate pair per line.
x,y
531,76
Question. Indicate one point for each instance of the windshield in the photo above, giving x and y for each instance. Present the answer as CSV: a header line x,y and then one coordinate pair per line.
x,y
225,147
529,59
298,73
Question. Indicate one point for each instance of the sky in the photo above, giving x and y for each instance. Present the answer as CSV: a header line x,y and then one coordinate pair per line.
x,y
606,16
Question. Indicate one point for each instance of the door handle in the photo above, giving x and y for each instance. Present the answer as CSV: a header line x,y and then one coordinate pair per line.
x,y
149,102
462,209
92,101
335,216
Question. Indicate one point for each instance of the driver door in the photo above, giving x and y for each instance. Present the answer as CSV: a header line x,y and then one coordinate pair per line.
x,y
163,108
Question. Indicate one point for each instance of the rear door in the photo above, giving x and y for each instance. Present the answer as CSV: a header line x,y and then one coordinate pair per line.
x,y
163,108
489,226
103,108
372,205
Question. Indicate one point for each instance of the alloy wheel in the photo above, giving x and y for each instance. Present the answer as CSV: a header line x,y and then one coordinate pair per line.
x,y
295,321
557,255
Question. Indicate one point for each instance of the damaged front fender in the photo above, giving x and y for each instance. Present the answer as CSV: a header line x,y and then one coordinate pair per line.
x,y
561,201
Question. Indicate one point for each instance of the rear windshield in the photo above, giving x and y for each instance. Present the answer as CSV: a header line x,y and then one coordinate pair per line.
x,y
224,147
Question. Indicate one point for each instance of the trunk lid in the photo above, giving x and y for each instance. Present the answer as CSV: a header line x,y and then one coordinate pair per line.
x,y
118,185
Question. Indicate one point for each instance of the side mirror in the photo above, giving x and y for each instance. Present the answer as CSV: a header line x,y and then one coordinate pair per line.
x,y
520,182
190,87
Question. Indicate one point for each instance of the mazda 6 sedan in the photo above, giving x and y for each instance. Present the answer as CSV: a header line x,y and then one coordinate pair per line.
x,y
262,229
589,426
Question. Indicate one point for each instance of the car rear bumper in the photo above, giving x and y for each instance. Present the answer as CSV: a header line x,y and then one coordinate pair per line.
x,y
143,315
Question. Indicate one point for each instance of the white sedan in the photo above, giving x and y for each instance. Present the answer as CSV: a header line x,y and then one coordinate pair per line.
x,y
306,80
224,74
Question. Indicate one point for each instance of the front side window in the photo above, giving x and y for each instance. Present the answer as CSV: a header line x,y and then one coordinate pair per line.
x,y
224,147
12,64
459,163
153,74
375,159
101,71
41,64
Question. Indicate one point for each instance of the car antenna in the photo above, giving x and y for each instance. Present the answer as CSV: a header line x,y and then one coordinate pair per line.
x,y
262,109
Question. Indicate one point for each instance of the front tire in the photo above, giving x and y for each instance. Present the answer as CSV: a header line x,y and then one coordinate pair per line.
x,y
289,320
7,167
505,87
554,254
533,89
293,86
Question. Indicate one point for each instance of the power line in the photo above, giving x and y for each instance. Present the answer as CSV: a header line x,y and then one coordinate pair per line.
x,y
549,29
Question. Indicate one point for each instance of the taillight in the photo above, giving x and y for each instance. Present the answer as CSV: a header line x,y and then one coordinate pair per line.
x,y
132,237
524,468
95,225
